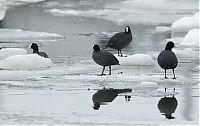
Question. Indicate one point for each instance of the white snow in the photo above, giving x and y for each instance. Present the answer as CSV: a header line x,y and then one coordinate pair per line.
x,y
136,60
191,38
17,35
186,23
29,61
7,52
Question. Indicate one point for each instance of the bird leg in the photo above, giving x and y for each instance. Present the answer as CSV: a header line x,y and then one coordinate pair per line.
x,y
174,74
165,74
103,71
109,70
118,52
121,52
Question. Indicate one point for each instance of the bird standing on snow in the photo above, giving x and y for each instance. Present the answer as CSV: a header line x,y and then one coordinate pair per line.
x,y
104,58
35,48
120,40
167,59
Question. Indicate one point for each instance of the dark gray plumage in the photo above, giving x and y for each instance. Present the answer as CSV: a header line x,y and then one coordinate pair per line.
x,y
120,40
167,59
35,48
104,58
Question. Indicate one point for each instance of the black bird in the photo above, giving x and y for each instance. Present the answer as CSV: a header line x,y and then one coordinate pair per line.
x,y
104,58
167,59
167,106
35,48
120,40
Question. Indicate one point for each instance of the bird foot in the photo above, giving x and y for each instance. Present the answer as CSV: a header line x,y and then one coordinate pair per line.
x,y
101,74
166,78
174,78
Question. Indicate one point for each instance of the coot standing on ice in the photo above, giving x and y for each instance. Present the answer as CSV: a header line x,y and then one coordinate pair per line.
x,y
104,58
167,59
120,40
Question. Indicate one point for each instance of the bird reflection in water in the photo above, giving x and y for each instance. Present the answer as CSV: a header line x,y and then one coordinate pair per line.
x,y
167,106
101,97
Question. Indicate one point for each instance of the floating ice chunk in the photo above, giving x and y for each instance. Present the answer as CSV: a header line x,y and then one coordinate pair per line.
x,y
136,60
29,61
163,29
2,12
30,1
186,23
148,86
186,53
7,52
192,38
4,4
24,36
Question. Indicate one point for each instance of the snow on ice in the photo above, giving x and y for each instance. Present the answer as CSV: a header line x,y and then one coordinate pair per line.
x,y
136,60
186,23
7,52
191,38
29,61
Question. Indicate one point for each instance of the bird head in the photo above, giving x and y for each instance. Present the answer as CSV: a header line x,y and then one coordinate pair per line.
x,y
96,47
127,29
169,45
34,46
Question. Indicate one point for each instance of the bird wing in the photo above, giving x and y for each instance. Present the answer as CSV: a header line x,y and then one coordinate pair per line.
x,y
173,60
120,40
104,58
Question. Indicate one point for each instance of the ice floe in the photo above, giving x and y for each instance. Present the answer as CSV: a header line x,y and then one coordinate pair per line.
x,y
7,52
29,1
191,38
17,35
29,61
186,53
136,60
163,29
186,23
5,4
185,32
